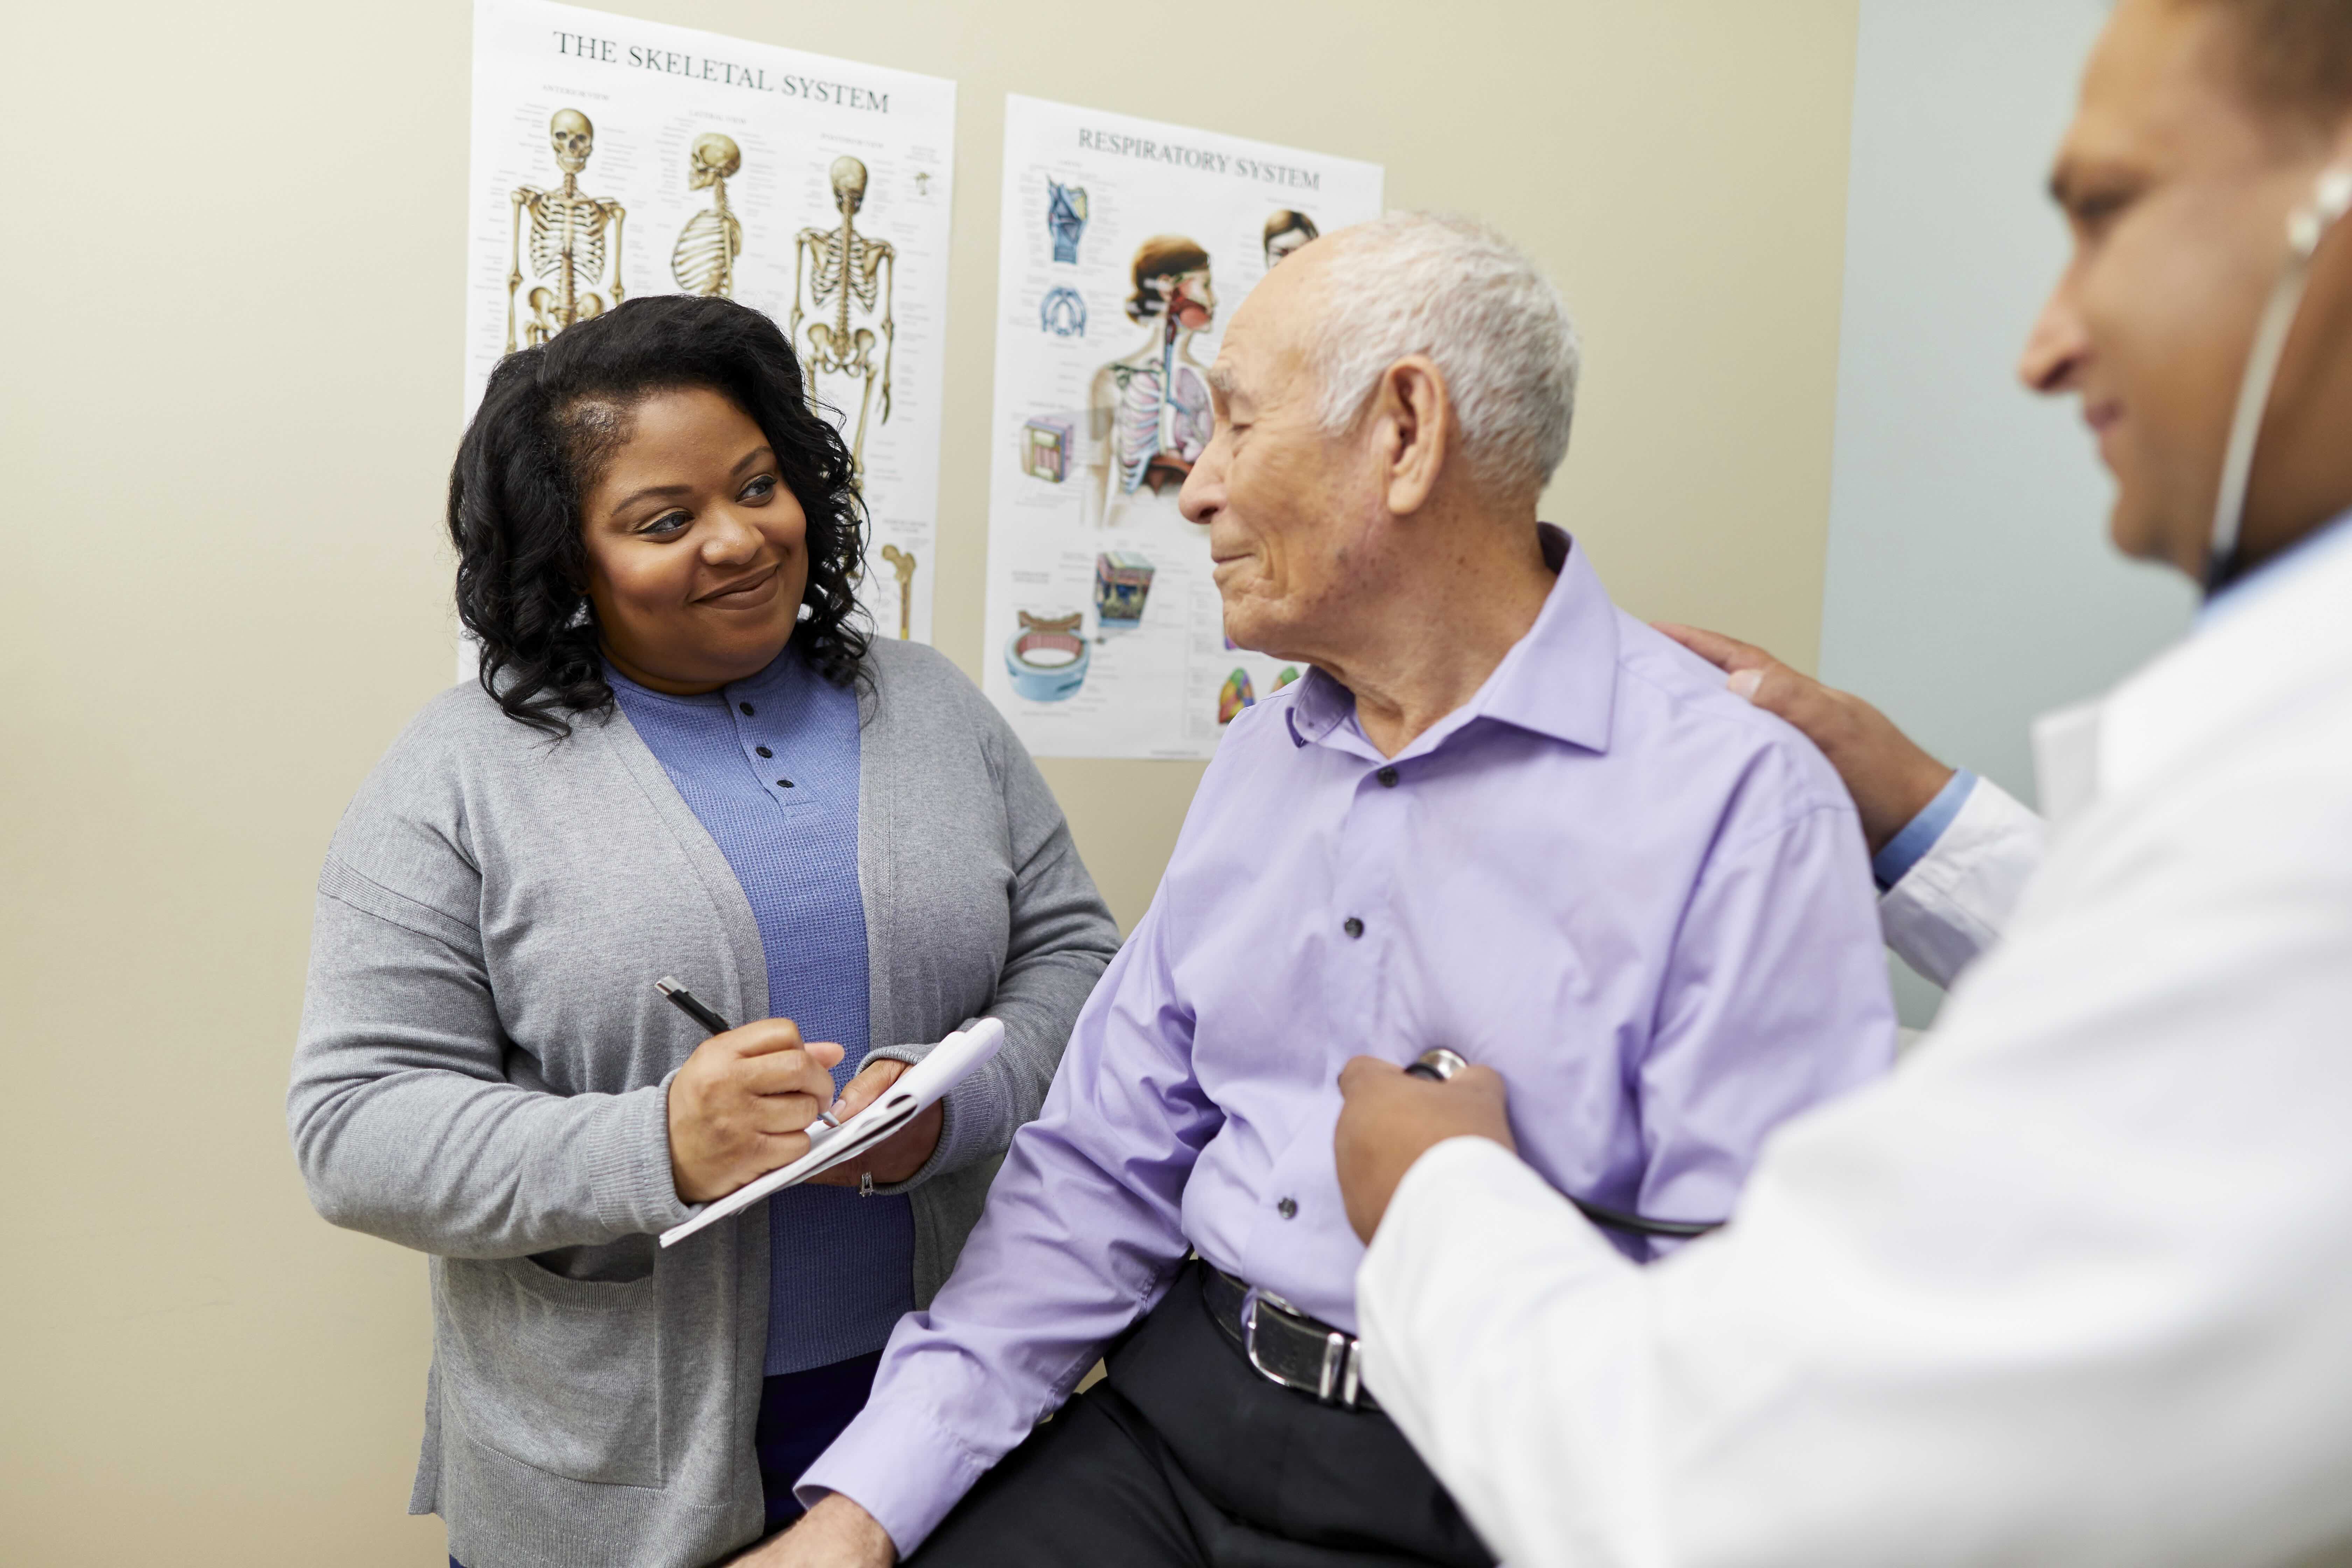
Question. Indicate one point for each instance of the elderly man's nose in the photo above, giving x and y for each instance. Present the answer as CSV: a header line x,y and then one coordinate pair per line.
x,y
1203,493
2056,349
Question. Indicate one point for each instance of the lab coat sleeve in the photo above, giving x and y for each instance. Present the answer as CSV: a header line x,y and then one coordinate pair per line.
x,y
2069,1288
1955,900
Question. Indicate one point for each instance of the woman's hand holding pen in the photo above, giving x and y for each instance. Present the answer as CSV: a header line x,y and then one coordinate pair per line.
x,y
896,1157
740,1107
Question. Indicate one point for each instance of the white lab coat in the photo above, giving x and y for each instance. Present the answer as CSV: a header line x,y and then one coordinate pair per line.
x,y
2072,1287
1955,900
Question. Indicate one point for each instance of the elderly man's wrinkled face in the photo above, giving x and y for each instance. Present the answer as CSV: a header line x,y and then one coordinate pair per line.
x,y
1284,503
2177,193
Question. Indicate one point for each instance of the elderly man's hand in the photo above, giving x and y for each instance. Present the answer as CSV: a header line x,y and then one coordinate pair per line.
x,y
1891,779
1392,1118
835,1533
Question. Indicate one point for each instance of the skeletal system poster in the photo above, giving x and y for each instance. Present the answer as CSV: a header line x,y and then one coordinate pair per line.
x,y
1126,245
614,158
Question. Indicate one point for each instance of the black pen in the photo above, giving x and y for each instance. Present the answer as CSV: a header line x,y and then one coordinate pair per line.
x,y
688,1002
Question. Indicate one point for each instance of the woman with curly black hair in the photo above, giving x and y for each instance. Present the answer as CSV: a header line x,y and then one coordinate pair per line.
x,y
685,756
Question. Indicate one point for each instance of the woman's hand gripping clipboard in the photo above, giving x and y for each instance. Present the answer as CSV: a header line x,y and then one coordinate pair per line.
x,y
916,1089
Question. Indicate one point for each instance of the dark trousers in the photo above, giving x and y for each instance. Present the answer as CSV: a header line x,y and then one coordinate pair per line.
x,y
801,1413
1184,1457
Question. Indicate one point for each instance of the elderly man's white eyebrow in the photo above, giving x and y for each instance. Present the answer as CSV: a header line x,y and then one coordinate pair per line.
x,y
1221,381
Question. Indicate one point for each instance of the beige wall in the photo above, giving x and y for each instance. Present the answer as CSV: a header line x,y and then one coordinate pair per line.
x,y
233,241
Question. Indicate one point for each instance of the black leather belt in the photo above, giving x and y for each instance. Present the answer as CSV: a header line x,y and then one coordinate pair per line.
x,y
1285,1345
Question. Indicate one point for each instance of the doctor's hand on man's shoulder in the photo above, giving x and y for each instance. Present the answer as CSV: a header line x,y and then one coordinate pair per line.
x,y
1391,1118
1891,779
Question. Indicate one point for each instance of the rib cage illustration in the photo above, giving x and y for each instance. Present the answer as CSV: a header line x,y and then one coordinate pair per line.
x,y
567,241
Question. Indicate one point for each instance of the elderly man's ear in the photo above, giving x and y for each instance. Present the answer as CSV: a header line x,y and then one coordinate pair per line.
x,y
1416,427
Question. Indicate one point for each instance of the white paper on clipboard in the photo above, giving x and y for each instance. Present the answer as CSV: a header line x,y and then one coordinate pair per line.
x,y
918,1089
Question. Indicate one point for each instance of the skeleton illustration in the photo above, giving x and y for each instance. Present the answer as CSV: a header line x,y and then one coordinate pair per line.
x,y
704,259
845,267
902,562
567,239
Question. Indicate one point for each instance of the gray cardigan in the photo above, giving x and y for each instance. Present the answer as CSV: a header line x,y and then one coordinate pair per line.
x,y
483,1069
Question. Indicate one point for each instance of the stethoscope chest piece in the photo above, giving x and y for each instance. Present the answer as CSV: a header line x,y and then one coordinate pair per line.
x,y
1436,1064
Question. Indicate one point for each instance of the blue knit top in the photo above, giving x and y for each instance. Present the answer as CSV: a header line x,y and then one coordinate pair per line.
x,y
769,766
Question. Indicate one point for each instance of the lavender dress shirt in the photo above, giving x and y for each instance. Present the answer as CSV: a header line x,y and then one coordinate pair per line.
x,y
1643,902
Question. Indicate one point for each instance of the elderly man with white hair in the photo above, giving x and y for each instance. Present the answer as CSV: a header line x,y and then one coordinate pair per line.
x,y
1499,816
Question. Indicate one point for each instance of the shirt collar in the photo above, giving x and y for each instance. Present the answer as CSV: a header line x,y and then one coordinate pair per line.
x,y
2320,543
1559,680
778,674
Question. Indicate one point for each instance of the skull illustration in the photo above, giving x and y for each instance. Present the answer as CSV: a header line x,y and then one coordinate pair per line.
x,y
848,185
714,158
572,137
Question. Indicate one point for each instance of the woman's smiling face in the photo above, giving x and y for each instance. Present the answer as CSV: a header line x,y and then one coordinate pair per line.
x,y
697,554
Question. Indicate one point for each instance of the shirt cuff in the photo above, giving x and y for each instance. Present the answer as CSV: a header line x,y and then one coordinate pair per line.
x,y
906,1472
1423,1210
1918,835
1456,1231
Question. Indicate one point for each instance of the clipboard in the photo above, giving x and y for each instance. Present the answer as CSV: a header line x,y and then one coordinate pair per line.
x,y
919,1088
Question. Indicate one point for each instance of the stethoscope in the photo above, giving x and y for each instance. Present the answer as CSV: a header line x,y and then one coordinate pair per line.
x,y
2306,228
1438,1064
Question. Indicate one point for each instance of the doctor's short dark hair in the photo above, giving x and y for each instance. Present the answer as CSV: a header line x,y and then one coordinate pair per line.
x,y
2295,56
546,425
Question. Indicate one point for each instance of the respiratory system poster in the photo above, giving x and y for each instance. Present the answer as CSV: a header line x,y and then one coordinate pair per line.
x,y
1125,245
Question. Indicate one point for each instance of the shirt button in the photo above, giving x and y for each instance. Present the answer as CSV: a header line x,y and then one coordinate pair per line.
x,y
1387,777
763,751
747,709
1352,926
1288,1208
784,783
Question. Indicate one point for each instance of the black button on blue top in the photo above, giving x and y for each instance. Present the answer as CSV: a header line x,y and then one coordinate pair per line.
x,y
784,783
1288,1208
747,709
1387,777
1353,926
763,751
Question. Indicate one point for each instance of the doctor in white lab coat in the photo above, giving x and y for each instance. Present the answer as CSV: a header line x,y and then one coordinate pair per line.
x,y
2074,1284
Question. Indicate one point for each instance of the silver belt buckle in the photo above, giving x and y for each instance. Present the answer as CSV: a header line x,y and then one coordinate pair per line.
x,y
1337,1378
